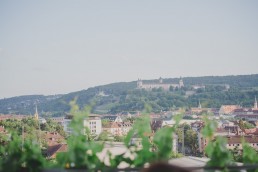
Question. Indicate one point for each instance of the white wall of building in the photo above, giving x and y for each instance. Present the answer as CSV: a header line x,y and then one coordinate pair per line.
x,y
94,125
66,125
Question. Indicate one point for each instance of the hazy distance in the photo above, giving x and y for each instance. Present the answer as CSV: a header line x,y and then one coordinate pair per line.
x,y
51,47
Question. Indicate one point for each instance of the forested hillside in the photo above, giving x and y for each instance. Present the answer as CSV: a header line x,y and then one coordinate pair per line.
x,y
124,97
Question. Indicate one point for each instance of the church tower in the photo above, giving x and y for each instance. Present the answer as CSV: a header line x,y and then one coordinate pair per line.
x,y
255,103
36,115
199,105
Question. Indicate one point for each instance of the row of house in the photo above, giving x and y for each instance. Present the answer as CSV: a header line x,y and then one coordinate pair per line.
x,y
231,131
96,124
226,110
11,116
117,128
228,129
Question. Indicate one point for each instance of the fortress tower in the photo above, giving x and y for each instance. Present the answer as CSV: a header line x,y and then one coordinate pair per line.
x,y
160,80
139,83
181,83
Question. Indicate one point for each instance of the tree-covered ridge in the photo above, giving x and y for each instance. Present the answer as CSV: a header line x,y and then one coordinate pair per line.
x,y
232,80
24,104
123,96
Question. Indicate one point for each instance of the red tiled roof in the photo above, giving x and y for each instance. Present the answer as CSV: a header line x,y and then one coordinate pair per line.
x,y
239,110
221,130
53,138
251,131
197,124
238,139
114,125
124,124
120,124
53,150
9,116
229,108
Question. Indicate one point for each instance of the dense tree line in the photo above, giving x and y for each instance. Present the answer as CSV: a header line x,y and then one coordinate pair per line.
x,y
31,127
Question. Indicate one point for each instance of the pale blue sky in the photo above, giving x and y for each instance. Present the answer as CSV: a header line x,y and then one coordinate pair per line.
x,y
59,46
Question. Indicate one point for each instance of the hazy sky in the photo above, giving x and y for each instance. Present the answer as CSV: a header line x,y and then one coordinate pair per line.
x,y
58,46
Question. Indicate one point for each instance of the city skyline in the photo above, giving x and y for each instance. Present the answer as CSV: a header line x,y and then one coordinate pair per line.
x,y
57,47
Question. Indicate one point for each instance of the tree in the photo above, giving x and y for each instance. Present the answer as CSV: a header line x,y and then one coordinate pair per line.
x,y
248,125
245,125
171,88
105,122
119,138
53,126
237,154
104,136
191,141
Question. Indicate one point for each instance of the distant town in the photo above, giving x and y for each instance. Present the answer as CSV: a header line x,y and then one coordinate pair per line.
x,y
234,123
123,115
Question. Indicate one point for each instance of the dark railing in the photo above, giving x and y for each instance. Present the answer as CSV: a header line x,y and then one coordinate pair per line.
x,y
234,168
229,168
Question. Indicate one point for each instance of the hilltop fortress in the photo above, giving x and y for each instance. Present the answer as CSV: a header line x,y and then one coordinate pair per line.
x,y
159,84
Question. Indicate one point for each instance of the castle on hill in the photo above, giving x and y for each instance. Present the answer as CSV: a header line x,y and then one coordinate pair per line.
x,y
159,84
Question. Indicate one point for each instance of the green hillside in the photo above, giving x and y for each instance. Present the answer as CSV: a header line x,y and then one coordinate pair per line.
x,y
124,97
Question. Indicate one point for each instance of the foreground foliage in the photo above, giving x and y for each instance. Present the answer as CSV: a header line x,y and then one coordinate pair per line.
x,y
19,156
83,150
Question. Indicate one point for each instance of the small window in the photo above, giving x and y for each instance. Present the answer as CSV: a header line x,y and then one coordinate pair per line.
x,y
238,144
229,144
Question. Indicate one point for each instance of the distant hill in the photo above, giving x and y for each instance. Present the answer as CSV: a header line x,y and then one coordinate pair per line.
x,y
124,97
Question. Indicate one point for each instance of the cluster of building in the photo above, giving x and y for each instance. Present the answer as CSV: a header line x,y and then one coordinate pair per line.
x,y
120,125
116,125
159,84
53,141
229,126
229,110
11,116
96,124
231,131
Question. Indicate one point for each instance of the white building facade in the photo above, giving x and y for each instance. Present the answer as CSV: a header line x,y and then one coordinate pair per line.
x,y
159,84
92,122
94,125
